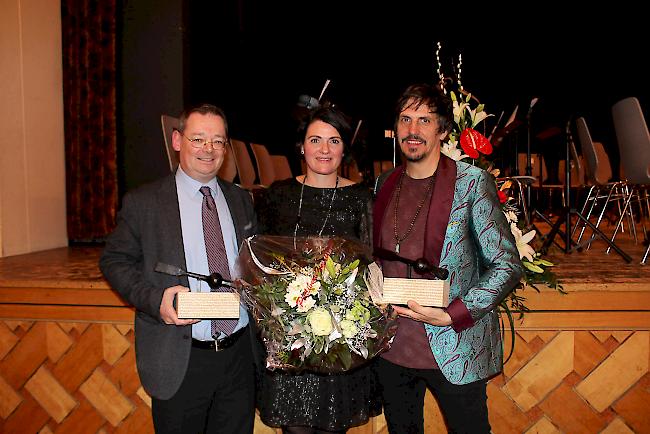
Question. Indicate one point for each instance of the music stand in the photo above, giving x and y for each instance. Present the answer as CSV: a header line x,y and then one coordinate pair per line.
x,y
564,217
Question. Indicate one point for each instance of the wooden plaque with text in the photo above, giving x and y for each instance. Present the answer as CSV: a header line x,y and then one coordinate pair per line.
x,y
204,305
433,293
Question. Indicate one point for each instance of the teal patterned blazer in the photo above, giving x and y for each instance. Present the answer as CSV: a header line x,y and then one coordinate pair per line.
x,y
467,233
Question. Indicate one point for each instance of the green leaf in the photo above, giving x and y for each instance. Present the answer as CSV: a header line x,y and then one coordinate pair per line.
x,y
532,267
346,358
319,344
330,267
511,321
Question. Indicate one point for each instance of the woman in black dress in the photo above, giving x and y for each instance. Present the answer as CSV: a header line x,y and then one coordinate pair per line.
x,y
319,203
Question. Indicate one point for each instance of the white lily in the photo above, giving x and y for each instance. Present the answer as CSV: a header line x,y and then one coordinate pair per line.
x,y
511,216
522,240
451,150
459,108
478,115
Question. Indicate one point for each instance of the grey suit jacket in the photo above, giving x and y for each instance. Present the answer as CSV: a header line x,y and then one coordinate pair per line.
x,y
149,231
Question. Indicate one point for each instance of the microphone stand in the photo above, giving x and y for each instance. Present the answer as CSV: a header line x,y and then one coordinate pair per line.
x,y
529,159
214,280
420,265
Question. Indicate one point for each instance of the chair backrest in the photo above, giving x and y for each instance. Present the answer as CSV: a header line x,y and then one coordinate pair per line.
x,y
577,172
354,174
264,164
169,124
228,169
382,166
604,170
245,168
536,163
281,167
591,157
633,140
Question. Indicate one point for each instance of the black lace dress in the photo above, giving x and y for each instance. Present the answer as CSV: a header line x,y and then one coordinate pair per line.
x,y
328,402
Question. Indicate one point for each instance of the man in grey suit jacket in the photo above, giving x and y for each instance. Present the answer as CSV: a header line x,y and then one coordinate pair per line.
x,y
197,383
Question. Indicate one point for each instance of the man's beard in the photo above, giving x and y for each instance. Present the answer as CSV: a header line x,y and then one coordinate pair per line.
x,y
414,158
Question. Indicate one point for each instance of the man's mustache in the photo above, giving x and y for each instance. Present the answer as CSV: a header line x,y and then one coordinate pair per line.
x,y
413,137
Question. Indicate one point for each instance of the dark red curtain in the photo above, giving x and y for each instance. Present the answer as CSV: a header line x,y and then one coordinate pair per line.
x,y
89,65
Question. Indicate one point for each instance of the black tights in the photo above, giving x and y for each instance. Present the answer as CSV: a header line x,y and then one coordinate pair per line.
x,y
307,430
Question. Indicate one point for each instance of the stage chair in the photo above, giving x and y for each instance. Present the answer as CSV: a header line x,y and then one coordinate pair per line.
x,y
380,167
264,163
540,175
634,148
245,169
228,170
281,167
597,176
353,172
169,124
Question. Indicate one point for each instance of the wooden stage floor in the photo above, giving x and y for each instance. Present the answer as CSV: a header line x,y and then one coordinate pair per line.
x,y
76,267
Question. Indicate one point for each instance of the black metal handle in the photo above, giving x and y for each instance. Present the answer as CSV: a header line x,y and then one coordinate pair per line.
x,y
420,265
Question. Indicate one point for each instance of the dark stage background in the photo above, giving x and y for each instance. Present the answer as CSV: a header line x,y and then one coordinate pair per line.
x,y
255,58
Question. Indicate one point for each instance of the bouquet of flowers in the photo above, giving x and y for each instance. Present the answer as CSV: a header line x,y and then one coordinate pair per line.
x,y
465,143
475,149
312,302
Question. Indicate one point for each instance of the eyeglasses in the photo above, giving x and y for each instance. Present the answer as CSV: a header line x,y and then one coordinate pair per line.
x,y
199,143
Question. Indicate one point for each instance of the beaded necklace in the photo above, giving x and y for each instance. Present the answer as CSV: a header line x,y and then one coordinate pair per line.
x,y
329,210
398,190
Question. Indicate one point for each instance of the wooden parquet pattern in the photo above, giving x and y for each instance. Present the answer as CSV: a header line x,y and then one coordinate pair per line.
x,y
581,360
59,377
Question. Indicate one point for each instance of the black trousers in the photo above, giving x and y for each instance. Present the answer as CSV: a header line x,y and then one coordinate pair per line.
x,y
217,394
464,407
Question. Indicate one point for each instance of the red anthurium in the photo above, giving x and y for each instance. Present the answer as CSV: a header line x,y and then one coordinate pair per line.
x,y
474,142
503,198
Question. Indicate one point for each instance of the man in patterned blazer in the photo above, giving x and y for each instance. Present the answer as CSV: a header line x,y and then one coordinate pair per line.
x,y
447,212
200,376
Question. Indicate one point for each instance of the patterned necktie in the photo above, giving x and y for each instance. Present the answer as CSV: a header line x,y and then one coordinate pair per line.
x,y
217,257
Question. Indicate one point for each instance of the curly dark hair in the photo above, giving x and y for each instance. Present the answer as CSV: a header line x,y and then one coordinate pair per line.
x,y
430,95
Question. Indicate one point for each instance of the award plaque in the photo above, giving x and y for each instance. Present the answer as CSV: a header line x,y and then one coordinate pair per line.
x,y
432,293
207,305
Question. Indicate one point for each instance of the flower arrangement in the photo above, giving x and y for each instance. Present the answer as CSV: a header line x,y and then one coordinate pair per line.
x,y
312,304
465,143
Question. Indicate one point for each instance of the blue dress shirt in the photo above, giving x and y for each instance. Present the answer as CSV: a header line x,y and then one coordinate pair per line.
x,y
190,200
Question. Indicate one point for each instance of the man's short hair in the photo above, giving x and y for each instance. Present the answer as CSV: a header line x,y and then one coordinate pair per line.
x,y
203,109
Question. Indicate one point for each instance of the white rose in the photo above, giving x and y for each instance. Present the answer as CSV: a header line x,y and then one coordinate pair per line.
x,y
320,321
348,328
